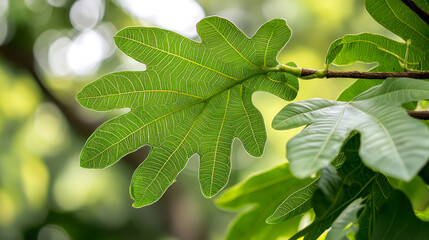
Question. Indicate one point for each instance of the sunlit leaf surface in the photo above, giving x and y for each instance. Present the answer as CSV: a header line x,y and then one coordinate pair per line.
x,y
193,98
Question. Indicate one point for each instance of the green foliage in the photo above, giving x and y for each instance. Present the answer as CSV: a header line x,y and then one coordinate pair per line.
x,y
417,192
257,197
396,220
390,55
340,227
398,18
352,181
296,204
193,98
369,48
376,114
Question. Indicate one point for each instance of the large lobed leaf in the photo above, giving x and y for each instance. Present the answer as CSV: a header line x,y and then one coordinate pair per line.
x,y
392,142
193,98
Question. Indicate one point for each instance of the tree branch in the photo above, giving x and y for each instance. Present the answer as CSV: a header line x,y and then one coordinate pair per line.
x,y
308,73
377,75
423,115
420,12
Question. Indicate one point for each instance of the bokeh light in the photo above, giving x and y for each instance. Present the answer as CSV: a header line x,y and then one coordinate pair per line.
x,y
52,232
57,3
57,56
177,15
85,52
86,13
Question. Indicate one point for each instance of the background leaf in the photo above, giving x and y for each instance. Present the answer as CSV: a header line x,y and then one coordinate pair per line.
x,y
300,201
376,114
398,18
397,221
329,191
296,204
368,48
193,98
417,192
340,227
372,48
357,181
257,197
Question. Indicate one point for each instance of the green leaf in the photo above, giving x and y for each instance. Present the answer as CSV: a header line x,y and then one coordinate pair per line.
x,y
372,48
417,192
367,47
193,98
299,202
296,204
392,142
329,182
357,181
398,18
257,197
397,221
380,193
340,227
329,191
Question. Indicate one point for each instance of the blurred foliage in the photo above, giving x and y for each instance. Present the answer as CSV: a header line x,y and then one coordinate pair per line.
x,y
44,194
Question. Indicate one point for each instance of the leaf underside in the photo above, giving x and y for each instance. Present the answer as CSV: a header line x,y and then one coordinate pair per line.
x,y
357,182
391,142
193,98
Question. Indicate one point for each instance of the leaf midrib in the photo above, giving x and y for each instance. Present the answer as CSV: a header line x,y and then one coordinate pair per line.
x,y
341,206
394,13
235,49
140,91
217,144
248,119
145,125
178,56
294,209
313,161
204,100
168,159
387,134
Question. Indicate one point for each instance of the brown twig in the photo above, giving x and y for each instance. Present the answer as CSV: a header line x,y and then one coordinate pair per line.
x,y
423,115
377,75
368,75
415,8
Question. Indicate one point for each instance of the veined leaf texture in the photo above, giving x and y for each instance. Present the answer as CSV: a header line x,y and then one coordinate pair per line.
x,y
193,98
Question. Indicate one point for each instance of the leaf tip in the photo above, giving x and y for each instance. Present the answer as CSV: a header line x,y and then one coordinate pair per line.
x,y
141,201
208,194
79,96
271,220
